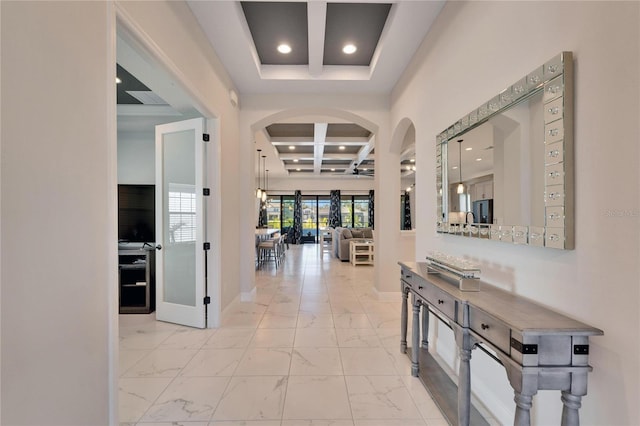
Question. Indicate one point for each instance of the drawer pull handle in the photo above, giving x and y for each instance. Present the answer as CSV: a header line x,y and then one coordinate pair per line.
x,y
440,301
419,287
484,326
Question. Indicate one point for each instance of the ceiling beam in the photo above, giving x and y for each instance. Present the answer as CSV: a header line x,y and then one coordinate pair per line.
x,y
316,22
364,152
319,137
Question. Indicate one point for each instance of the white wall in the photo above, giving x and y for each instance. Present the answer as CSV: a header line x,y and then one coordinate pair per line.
x,y
136,158
348,185
474,51
58,196
58,213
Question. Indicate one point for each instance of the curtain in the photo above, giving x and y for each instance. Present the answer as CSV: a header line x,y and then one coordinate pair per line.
x,y
262,215
297,218
371,208
335,215
406,221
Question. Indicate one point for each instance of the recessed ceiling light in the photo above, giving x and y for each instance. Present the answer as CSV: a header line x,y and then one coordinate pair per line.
x,y
118,81
413,168
468,149
295,160
413,160
349,48
364,170
284,48
298,169
342,148
454,167
292,147
408,189
333,170
478,159
408,167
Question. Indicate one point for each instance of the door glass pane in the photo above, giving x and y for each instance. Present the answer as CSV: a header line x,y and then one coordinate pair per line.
x,y
346,210
324,205
309,219
288,203
273,212
360,211
179,227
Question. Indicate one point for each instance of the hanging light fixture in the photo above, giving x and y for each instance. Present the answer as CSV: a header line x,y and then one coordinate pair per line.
x,y
266,186
460,185
259,191
264,192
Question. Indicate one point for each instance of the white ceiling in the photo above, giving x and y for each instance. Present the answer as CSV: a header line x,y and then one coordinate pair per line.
x,y
225,26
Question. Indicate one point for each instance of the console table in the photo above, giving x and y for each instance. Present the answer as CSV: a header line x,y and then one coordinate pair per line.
x,y
538,347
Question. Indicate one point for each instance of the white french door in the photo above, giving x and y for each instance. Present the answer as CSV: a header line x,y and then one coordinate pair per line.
x,y
180,223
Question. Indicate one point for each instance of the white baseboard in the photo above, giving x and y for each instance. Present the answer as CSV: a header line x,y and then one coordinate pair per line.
x,y
387,296
249,296
226,309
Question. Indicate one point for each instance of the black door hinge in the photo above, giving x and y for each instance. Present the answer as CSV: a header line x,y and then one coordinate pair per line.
x,y
205,137
206,192
207,246
207,300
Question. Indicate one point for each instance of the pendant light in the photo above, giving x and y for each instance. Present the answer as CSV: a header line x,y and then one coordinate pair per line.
x,y
264,192
460,185
259,191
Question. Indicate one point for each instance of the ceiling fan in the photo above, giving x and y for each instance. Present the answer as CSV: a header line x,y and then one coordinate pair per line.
x,y
358,172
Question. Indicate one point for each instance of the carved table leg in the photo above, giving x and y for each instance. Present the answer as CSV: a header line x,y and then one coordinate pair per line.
x,y
523,409
572,404
425,327
403,321
464,387
415,335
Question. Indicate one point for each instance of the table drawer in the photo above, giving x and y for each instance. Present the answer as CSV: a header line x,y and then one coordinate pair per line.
x,y
410,279
441,301
494,331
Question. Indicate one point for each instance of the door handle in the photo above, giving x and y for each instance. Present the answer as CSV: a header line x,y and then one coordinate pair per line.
x,y
158,247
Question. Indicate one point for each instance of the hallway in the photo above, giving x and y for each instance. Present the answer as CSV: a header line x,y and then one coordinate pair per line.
x,y
315,348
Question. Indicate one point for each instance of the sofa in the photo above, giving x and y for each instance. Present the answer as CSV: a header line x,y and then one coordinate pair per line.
x,y
342,237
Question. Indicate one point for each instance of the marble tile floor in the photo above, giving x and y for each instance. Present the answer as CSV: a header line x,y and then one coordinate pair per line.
x,y
315,348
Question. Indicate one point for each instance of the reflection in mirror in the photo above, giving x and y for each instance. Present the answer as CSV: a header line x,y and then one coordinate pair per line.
x,y
408,180
500,169
505,170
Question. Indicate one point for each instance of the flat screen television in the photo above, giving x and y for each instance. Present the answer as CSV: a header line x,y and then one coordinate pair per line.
x,y
136,213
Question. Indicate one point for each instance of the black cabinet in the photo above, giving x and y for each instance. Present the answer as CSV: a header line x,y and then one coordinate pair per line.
x,y
136,280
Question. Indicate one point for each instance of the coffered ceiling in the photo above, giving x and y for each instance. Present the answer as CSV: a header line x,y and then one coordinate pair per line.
x,y
322,149
246,37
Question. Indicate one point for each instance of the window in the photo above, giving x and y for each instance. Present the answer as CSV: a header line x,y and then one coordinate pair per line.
x,y
360,211
273,212
315,213
288,203
346,210
355,211
182,213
